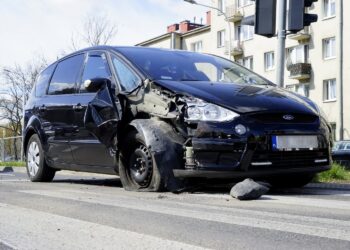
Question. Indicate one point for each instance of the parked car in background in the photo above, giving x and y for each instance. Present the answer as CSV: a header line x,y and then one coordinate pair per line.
x,y
158,118
341,153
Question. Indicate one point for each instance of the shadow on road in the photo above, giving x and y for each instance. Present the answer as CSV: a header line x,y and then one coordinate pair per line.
x,y
112,182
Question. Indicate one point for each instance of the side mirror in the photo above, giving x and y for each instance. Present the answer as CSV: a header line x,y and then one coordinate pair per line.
x,y
95,84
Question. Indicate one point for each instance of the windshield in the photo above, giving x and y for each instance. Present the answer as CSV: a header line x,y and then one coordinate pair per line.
x,y
187,66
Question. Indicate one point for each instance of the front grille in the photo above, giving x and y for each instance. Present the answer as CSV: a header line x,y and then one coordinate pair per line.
x,y
278,118
290,159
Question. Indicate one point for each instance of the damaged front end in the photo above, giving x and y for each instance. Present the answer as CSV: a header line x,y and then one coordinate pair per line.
x,y
190,138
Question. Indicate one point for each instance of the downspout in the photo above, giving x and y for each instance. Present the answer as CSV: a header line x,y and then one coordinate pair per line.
x,y
173,41
341,70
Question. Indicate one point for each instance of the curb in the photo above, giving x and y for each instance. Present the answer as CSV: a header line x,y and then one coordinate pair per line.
x,y
329,186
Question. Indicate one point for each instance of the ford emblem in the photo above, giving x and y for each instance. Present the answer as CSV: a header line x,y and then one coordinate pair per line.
x,y
288,117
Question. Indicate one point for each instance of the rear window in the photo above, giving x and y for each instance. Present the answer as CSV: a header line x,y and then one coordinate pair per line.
x,y
43,80
66,75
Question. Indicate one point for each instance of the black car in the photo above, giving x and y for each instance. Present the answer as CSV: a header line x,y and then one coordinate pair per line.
x,y
341,153
161,118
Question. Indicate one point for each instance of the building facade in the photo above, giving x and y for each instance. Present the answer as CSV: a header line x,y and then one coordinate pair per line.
x,y
317,58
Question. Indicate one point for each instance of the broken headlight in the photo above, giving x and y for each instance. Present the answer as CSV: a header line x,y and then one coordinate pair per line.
x,y
199,110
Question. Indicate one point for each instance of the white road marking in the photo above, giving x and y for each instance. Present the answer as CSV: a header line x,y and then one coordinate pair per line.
x,y
297,200
312,226
5,174
310,202
29,229
15,180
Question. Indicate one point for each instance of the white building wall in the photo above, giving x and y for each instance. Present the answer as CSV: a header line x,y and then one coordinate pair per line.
x,y
322,69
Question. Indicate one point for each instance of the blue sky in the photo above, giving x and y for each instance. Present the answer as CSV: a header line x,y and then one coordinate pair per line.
x,y
32,27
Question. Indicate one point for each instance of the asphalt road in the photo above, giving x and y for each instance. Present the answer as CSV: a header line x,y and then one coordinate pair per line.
x,y
84,211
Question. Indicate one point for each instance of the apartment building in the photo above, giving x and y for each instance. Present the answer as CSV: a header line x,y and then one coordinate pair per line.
x,y
314,65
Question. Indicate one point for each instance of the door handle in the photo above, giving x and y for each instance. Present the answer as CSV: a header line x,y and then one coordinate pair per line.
x,y
78,107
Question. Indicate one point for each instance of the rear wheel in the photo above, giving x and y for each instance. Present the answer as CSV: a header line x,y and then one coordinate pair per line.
x,y
291,181
137,169
37,169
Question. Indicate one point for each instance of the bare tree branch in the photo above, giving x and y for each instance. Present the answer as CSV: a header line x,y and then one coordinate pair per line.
x,y
97,30
18,82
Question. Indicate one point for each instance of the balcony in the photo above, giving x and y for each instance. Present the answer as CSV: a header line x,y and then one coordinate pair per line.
x,y
303,35
233,14
299,71
236,49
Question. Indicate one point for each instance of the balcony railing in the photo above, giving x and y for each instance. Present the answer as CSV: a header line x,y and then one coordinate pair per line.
x,y
299,71
236,48
233,13
301,35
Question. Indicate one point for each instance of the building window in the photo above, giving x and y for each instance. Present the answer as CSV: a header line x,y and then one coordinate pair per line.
x,y
197,46
245,32
298,54
329,90
269,60
247,62
334,130
329,48
221,38
302,89
290,87
221,6
329,8
242,3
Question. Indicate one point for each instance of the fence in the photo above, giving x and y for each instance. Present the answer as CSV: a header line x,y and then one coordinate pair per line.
x,y
11,149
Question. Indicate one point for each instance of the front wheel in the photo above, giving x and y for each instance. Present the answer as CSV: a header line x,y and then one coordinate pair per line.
x,y
291,181
37,169
137,169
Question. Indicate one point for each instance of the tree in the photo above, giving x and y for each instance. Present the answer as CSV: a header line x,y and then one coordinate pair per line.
x,y
18,82
97,30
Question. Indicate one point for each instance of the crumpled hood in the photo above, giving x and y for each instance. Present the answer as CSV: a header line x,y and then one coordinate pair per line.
x,y
243,98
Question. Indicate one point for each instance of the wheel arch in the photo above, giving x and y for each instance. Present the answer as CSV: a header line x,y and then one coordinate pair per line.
x,y
33,127
165,145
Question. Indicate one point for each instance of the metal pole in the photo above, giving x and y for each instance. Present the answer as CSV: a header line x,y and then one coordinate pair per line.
x,y
3,144
281,36
341,71
23,112
226,19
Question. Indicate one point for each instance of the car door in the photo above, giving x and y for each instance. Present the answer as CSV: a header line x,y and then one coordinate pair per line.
x,y
56,112
86,148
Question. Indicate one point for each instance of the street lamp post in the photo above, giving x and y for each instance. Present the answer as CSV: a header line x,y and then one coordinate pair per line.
x,y
226,19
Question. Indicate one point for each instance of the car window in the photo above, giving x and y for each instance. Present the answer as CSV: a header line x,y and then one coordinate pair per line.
x,y
95,67
127,78
43,80
188,66
347,146
66,74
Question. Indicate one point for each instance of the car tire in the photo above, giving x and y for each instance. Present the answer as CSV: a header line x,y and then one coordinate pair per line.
x,y
137,169
291,181
37,168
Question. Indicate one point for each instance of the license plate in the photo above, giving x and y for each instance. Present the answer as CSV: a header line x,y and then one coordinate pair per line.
x,y
289,142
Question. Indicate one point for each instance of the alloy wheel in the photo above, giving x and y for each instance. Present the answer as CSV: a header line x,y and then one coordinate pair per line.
x,y
33,158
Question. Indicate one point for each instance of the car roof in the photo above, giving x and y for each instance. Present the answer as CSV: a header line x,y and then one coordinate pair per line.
x,y
120,49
